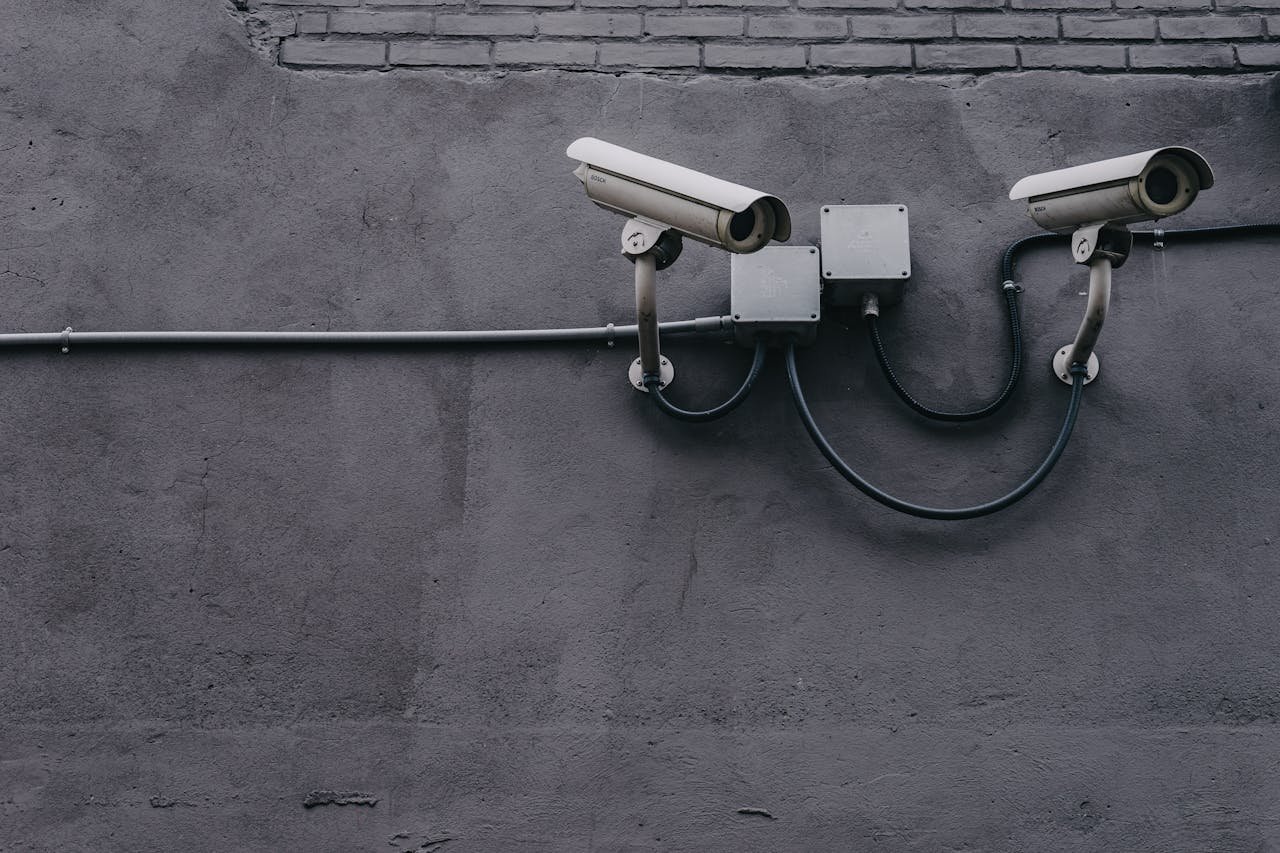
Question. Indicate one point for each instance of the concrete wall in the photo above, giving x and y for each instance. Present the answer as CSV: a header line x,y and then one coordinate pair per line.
x,y
495,591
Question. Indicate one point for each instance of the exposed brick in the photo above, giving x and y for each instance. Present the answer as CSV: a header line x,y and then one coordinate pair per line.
x,y
1184,5
629,4
272,24
497,24
380,22
376,3
797,27
961,56
1249,4
848,4
650,55
440,53
1003,26
1098,28
1079,56
313,22
737,4
954,4
544,53
1211,27
860,55
589,24
903,27
550,4
332,52
1273,25
259,4
1259,55
1182,56
754,56
1060,4
694,26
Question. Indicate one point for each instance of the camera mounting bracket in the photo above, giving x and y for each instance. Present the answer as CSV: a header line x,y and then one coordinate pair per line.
x,y
1102,247
650,247
1101,240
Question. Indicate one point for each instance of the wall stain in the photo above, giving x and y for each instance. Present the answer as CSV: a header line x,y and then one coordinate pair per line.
x,y
338,798
755,812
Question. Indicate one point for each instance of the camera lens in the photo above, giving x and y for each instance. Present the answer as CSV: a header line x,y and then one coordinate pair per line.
x,y
742,224
1162,185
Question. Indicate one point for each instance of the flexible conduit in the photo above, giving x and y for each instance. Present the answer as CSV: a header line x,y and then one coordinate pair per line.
x,y
1011,290
947,514
653,384
1015,367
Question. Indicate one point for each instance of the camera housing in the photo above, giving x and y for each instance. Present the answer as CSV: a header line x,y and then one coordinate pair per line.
x,y
704,208
1136,188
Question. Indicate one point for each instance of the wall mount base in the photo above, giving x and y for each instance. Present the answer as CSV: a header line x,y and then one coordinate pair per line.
x,y
666,373
1062,369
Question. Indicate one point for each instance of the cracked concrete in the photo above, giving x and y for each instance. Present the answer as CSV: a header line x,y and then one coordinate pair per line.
x,y
498,592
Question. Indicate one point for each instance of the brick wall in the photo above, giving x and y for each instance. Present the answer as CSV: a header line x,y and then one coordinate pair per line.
x,y
771,36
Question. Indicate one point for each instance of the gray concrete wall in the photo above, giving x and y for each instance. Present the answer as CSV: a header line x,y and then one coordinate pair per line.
x,y
498,593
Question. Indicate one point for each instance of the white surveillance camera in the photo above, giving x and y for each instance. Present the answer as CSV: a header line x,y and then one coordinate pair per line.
x,y
1136,188
733,217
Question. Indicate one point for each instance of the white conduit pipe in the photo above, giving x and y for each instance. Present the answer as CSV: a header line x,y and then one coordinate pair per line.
x,y
68,338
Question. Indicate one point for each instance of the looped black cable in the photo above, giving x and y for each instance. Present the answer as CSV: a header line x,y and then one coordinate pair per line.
x,y
652,383
1010,291
1078,372
1015,368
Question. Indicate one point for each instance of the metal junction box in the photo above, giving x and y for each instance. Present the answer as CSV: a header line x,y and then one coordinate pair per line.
x,y
776,291
865,249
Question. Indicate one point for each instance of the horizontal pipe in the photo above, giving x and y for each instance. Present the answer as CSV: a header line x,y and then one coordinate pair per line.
x,y
701,325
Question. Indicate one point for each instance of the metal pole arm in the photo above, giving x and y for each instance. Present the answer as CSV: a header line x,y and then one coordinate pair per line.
x,y
1095,314
1102,246
650,247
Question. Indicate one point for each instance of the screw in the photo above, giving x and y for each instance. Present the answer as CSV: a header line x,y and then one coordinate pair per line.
x,y
813,316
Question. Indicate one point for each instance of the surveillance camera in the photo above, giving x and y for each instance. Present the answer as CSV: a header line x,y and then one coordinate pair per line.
x,y
733,217
1149,185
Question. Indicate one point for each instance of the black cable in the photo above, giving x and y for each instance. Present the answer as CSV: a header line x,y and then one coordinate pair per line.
x,y
1077,388
652,383
1015,367
1011,290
